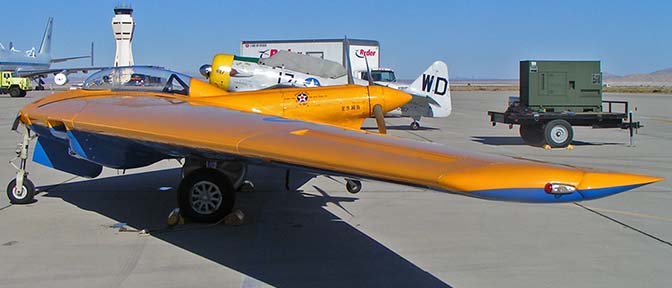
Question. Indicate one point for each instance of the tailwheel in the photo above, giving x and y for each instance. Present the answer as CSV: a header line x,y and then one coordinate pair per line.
x,y
415,125
21,195
353,186
206,195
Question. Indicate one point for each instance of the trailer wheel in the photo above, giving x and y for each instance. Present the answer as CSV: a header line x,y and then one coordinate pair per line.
x,y
532,134
558,133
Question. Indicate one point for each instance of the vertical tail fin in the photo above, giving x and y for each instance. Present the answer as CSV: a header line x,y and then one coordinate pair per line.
x,y
433,83
45,47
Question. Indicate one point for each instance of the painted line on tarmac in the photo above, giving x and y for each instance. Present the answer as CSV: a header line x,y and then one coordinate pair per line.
x,y
625,225
420,136
633,214
658,119
662,120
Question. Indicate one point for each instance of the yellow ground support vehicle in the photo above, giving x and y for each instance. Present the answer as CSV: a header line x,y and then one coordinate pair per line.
x,y
15,86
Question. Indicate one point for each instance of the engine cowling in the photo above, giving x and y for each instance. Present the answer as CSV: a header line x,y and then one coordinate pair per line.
x,y
61,79
220,71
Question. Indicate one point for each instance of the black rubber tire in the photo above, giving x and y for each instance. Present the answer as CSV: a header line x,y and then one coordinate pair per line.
x,y
353,186
415,125
23,93
532,134
27,197
209,177
14,91
558,133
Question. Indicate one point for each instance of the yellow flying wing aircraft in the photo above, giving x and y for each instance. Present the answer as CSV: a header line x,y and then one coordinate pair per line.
x,y
131,118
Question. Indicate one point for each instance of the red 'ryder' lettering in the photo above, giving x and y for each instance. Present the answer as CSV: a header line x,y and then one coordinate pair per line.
x,y
367,53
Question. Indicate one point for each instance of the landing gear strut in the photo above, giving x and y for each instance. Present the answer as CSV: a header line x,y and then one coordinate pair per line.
x,y
21,190
40,84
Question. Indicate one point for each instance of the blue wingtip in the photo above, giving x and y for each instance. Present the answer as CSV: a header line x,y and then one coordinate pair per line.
x,y
538,195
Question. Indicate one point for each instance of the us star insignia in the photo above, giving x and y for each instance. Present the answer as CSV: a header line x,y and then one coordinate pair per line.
x,y
302,98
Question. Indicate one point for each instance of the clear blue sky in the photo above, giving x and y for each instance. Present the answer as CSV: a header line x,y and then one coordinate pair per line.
x,y
480,39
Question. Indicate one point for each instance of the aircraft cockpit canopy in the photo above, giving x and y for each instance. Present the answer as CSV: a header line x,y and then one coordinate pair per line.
x,y
139,78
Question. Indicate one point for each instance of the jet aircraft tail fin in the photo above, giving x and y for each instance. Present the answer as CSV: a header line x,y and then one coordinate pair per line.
x,y
433,83
45,47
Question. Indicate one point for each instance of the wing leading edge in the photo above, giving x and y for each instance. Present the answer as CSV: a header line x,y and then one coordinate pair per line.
x,y
161,121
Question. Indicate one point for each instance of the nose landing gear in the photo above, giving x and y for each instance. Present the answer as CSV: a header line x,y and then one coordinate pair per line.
x,y
21,190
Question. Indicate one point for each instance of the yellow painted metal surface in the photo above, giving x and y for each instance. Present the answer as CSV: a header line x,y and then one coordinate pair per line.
x,y
221,69
202,123
344,106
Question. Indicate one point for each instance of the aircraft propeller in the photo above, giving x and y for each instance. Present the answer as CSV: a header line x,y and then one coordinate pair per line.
x,y
377,109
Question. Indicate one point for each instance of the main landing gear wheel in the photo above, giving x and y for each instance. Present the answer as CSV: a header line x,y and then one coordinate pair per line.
x,y
353,186
206,195
23,195
558,133
415,125
532,134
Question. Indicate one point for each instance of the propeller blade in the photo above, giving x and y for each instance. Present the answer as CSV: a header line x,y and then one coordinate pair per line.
x,y
368,71
380,118
346,52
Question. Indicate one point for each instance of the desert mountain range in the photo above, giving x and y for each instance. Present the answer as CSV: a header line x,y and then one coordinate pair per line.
x,y
657,78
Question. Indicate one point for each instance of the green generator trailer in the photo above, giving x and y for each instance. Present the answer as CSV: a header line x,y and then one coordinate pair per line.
x,y
556,95
549,86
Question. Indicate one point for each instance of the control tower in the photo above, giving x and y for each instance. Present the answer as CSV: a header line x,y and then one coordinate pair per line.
x,y
123,26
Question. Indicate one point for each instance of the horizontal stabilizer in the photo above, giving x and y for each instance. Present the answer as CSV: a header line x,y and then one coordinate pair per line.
x,y
58,60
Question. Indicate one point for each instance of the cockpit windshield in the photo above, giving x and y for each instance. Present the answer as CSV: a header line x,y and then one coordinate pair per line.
x,y
140,78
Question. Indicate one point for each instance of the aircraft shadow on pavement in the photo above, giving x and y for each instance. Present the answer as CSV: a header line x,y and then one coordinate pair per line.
x,y
515,140
288,239
401,128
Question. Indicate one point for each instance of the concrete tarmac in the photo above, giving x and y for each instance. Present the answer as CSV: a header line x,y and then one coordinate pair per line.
x,y
321,236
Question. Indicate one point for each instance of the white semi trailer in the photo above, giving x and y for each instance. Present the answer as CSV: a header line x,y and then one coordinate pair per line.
x,y
329,49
